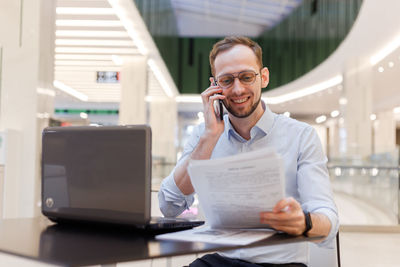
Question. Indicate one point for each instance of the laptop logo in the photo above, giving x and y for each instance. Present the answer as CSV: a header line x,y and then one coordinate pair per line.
x,y
49,202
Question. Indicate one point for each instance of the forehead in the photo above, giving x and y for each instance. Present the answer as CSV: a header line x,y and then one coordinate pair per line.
x,y
235,59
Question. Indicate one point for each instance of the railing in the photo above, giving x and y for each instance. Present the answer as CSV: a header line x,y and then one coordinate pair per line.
x,y
377,186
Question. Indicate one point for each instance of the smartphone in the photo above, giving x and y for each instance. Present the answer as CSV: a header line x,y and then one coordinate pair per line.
x,y
218,107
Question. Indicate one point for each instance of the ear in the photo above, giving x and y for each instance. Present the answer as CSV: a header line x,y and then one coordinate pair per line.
x,y
211,80
264,77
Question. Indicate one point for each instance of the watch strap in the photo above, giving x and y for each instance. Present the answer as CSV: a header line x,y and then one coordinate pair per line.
x,y
308,221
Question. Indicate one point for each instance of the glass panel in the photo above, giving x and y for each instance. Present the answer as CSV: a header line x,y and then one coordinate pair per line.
x,y
370,185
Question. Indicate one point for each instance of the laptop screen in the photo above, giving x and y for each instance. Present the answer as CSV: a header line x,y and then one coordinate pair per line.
x,y
99,173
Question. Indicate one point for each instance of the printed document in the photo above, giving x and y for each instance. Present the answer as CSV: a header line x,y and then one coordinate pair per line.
x,y
234,190
219,236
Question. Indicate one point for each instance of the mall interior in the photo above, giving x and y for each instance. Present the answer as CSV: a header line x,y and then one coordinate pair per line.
x,y
333,64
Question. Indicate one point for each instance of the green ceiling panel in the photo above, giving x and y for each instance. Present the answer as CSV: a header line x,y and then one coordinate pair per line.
x,y
291,49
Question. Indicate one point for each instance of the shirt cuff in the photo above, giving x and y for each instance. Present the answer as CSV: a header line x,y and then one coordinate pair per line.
x,y
172,201
328,242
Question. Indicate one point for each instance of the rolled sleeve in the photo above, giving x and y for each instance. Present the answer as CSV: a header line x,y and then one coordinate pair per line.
x,y
172,201
328,242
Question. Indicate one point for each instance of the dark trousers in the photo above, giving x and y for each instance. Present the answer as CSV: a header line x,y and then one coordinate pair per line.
x,y
216,260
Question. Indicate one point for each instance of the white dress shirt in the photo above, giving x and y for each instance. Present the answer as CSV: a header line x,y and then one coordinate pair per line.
x,y
306,174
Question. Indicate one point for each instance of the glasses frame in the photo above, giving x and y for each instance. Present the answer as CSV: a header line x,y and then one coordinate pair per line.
x,y
236,75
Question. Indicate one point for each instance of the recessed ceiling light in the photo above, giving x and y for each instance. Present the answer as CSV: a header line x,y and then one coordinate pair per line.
x,y
335,113
343,101
83,42
83,115
372,117
396,110
82,57
92,50
109,34
88,23
391,64
84,11
83,63
320,119
381,69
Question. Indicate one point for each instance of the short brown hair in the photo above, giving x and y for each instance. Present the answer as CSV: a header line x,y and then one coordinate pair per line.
x,y
229,42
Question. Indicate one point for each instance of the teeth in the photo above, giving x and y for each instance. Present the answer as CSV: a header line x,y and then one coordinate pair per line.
x,y
240,100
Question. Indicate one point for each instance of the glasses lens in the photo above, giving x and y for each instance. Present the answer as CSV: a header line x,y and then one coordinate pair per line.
x,y
247,77
225,80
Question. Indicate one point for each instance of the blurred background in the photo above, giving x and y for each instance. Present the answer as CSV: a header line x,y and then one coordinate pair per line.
x,y
333,64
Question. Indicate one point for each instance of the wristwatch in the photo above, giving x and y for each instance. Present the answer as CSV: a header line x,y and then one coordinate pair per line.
x,y
307,217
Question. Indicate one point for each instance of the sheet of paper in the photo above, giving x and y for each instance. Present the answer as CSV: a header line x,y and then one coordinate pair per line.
x,y
218,236
234,190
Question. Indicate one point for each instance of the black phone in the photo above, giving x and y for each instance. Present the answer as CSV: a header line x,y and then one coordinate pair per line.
x,y
218,107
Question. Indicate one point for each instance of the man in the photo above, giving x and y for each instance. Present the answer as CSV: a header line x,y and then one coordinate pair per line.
x,y
238,76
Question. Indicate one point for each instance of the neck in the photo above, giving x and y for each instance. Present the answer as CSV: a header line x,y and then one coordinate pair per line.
x,y
243,125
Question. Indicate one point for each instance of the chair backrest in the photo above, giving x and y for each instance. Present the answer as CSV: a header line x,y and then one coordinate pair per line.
x,y
325,257
338,249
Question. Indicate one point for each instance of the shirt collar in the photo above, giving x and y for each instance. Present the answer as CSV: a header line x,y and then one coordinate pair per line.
x,y
262,127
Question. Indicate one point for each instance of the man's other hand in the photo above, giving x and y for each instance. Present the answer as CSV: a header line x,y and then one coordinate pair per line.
x,y
287,216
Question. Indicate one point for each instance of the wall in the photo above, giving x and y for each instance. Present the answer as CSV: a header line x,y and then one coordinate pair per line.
x,y
26,98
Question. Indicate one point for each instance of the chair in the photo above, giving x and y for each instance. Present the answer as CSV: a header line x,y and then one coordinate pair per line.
x,y
338,249
325,257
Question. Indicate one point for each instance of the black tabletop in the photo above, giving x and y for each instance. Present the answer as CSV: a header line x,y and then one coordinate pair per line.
x,y
72,245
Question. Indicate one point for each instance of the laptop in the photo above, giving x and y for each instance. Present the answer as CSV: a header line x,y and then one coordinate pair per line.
x,y
101,174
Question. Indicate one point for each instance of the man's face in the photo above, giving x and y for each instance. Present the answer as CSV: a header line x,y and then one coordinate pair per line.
x,y
241,99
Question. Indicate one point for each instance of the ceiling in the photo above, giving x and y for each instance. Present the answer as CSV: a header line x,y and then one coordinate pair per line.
x,y
91,38
375,32
230,17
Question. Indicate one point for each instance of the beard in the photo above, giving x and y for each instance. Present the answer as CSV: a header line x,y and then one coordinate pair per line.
x,y
242,114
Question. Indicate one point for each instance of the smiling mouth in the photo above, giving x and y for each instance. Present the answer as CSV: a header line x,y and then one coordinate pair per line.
x,y
241,100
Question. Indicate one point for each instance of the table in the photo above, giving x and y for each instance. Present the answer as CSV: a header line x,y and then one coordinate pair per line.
x,y
71,245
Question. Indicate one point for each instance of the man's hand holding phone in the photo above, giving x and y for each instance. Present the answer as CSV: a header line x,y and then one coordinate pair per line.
x,y
212,117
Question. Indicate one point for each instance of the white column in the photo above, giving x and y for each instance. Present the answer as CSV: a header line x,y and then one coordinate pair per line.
x,y
27,44
132,109
322,134
385,132
163,121
355,131
333,138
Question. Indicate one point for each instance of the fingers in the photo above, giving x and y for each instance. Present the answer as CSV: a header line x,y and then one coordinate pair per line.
x,y
212,90
286,204
282,218
211,94
290,223
212,98
286,216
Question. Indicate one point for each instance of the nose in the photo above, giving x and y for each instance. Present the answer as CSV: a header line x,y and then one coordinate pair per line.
x,y
237,87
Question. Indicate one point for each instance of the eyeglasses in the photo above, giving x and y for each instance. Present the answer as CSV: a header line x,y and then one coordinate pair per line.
x,y
245,77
